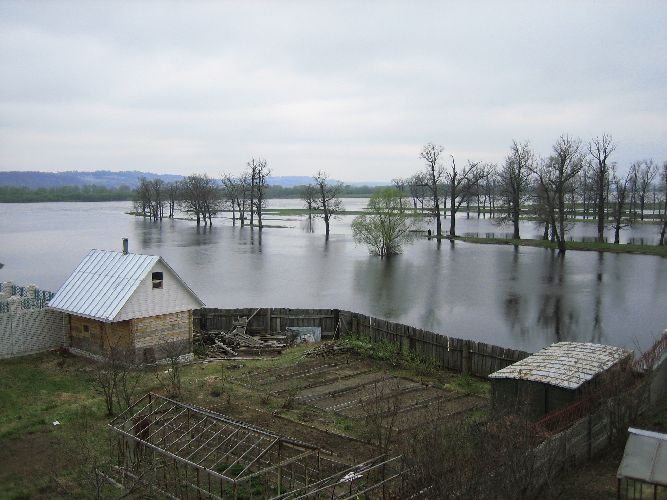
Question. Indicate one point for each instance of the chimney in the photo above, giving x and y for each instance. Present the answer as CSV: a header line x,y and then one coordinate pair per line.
x,y
124,246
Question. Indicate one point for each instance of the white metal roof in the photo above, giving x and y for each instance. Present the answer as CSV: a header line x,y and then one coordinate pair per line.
x,y
645,457
103,282
564,364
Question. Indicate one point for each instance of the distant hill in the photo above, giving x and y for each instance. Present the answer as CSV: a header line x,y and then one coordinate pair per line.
x,y
302,180
112,180
104,178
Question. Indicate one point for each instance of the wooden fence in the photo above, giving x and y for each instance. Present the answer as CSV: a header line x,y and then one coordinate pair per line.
x,y
465,356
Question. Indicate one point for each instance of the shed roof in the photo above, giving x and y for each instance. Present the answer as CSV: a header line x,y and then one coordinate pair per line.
x,y
645,457
564,364
103,282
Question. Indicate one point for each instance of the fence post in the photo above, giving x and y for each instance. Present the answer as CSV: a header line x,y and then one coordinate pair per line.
x,y
465,357
14,306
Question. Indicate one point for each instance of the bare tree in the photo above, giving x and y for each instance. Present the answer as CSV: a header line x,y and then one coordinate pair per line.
x,y
150,198
461,186
554,176
143,197
434,177
418,187
309,195
200,197
514,180
258,174
619,194
117,378
644,173
328,201
236,191
486,171
158,198
172,197
600,150
172,353
400,184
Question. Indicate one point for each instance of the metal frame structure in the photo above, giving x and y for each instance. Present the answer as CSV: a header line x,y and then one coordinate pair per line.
x,y
376,478
177,450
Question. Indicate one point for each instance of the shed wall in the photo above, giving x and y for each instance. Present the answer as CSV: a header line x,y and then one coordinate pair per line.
x,y
147,301
91,341
162,336
101,337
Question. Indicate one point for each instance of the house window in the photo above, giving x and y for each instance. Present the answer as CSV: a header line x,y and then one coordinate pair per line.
x,y
85,329
157,280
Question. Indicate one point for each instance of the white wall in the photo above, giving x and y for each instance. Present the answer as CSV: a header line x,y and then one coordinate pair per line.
x,y
148,301
26,331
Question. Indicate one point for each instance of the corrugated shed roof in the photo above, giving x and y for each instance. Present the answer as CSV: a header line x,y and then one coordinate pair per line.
x,y
564,364
645,457
103,282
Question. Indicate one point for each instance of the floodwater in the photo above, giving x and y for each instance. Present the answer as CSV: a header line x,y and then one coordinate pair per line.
x,y
523,298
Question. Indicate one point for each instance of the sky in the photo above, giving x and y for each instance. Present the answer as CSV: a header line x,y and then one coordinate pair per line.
x,y
352,88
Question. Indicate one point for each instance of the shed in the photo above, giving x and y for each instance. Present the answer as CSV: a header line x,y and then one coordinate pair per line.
x,y
644,463
133,302
552,378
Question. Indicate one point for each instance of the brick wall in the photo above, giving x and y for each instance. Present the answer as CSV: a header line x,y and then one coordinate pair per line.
x,y
26,331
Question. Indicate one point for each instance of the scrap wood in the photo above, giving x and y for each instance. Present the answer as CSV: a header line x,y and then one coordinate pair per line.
x,y
326,349
237,341
225,348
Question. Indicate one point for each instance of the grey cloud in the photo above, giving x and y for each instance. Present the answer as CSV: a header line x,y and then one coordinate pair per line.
x,y
353,87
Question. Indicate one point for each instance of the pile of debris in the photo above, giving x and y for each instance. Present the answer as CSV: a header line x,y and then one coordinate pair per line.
x,y
327,349
237,342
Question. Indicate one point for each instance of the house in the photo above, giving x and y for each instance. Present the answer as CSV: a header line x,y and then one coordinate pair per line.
x,y
133,302
554,377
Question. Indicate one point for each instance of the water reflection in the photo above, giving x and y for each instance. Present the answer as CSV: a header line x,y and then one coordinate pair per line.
x,y
515,307
513,296
308,224
557,314
597,332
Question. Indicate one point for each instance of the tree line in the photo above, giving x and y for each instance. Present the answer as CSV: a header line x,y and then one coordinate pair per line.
x,y
16,194
577,180
244,195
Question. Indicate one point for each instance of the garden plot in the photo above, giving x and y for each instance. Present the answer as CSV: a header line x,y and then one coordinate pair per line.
x,y
356,388
305,375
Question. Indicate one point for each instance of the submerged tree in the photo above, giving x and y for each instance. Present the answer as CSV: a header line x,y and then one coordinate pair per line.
x,y
619,194
434,176
328,201
387,225
514,178
554,177
643,172
200,197
600,150
258,172
309,196
462,184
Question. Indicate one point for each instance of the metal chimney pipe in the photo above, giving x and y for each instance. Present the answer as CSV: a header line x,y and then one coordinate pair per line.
x,y
125,246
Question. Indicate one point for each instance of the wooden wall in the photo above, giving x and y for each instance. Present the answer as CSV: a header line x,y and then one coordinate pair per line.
x,y
467,356
162,336
101,337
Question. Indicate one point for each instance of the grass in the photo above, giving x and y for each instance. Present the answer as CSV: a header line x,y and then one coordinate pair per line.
x,y
32,396
660,251
468,384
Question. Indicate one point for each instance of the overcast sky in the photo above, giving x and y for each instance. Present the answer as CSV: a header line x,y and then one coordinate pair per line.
x,y
354,88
